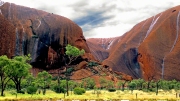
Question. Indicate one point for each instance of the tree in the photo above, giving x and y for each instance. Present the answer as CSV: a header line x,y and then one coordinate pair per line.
x,y
164,85
17,69
110,84
150,79
31,90
119,84
4,61
132,86
177,86
103,82
123,85
73,53
89,83
139,83
71,85
157,86
30,80
44,79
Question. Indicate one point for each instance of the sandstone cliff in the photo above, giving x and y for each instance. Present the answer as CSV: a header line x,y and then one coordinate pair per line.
x,y
151,49
102,47
43,35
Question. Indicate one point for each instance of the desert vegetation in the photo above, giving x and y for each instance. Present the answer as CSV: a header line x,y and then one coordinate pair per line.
x,y
18,83
46,86
168,90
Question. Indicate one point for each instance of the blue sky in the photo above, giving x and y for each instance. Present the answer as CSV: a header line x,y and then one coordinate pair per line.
x,y
102,18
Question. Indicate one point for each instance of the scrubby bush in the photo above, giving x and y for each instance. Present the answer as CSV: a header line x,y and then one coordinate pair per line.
x,y
21,91
13,92
79,91
88,83
58,89
31,89
92,63
111,89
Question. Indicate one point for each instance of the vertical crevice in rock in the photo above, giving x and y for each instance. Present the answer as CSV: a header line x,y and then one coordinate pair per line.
x,y
17,49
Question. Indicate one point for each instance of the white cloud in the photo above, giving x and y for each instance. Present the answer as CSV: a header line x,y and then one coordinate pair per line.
x,y
111,17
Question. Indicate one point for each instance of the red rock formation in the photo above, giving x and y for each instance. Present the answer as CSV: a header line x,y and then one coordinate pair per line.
x,y
41,34
150,48
160,52
84,73
44,35
101,47
7,45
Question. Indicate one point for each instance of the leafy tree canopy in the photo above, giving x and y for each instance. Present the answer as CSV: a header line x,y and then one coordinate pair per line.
x,y
18,67
73,51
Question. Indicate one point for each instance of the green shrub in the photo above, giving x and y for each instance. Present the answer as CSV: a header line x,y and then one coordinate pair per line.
x,y
145,90
79,91
152,89
111,89
58,89
31,90
92,63
21,91
13,92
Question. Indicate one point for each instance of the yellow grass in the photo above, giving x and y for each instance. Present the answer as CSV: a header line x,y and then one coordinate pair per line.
x,y
105,95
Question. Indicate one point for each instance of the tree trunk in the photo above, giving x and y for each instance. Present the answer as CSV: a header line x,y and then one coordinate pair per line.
x,y
3,85
59,81
141,86
148,85
59,85
18,87
123,87
2,91
157,87
44,91
2,88
44,88
67,87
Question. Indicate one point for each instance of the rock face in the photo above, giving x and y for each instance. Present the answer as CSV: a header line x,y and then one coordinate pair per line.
x,y
6,44
151,49
101,47
44,35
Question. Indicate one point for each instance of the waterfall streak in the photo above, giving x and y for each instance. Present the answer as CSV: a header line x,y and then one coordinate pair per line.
x,y
23,29
39,23
141,34
151,26
177,33
17,43
9,13
175,41
34,50
1,12
110,43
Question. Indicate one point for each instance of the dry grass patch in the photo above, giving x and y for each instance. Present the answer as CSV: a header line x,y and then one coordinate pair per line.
x,y
104,95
